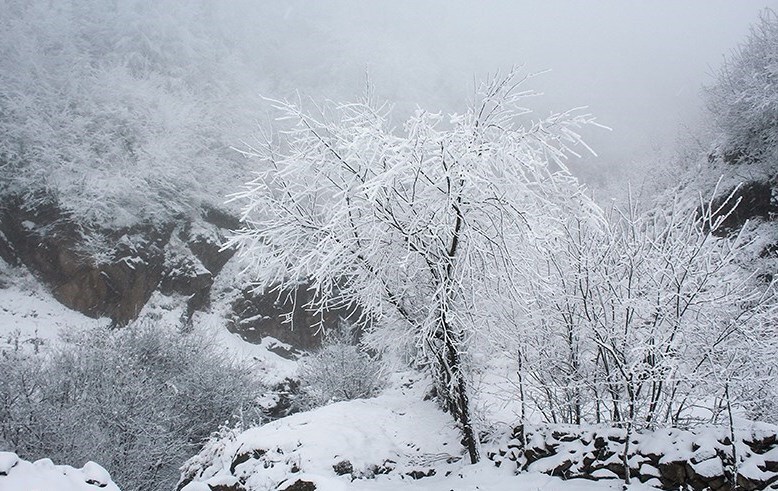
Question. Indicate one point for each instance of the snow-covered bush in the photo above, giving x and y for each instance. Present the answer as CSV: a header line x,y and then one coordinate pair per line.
x,y
339,371
138,400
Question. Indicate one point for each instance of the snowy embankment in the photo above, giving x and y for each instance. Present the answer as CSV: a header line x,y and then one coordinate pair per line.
x,y
397,440
33,325
29,317
20,475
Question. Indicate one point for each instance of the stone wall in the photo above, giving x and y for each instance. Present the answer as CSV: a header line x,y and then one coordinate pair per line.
x,y
698,459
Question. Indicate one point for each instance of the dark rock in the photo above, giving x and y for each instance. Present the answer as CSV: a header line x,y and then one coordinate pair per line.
x,y
762,445
419,474
245,457
770,466
286,404
719,483
343,467
599,442
385,468
183,274
673,473
755,202
749,484
696,482
220,218
210,253
588,460
616,468
257,315
232,487
53,246
533,454
300,485
563,469
7,250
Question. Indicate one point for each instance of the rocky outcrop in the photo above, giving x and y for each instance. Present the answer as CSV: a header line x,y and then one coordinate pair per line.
x,y
700,459
111,273
113,278
754,200
284,317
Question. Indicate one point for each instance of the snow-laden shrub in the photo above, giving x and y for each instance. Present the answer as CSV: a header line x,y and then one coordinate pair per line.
x,y
339,371
139,401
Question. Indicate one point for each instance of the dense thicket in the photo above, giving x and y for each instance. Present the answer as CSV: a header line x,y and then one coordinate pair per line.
x,y
120,112
140,401
744,99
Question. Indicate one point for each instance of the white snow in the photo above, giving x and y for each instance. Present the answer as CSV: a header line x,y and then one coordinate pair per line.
x,y
43,475
29,316
7,461
383,439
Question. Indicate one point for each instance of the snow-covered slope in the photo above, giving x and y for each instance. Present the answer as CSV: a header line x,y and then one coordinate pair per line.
x,y
20,475
398,440
29,316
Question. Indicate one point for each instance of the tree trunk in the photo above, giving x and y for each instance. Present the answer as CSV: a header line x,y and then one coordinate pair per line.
x,y
454,388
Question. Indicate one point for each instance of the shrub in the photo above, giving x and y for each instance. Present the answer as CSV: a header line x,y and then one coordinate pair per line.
x,y
139,401
339,371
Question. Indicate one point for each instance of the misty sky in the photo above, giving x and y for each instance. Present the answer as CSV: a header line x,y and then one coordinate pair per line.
x,y
638,65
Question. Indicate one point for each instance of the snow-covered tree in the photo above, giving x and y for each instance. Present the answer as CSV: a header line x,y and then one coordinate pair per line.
x,y
744,99
647,316
124,112
427,229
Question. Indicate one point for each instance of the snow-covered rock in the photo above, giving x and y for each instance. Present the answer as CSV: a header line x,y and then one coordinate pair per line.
x,y
700,458
20,475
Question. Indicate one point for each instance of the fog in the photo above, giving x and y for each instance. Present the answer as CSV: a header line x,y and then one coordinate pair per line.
x,y
639,66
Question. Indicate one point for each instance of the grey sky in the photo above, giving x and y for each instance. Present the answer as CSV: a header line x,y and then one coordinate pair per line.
x,y
638,65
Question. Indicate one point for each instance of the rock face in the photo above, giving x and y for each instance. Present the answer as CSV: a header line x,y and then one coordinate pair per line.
x,y
110,273
113,273
256,315
701,459
54,248
755,200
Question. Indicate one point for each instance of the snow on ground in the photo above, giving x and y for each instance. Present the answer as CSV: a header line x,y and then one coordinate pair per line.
x,y
29,316
42,475
376,444
269,367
